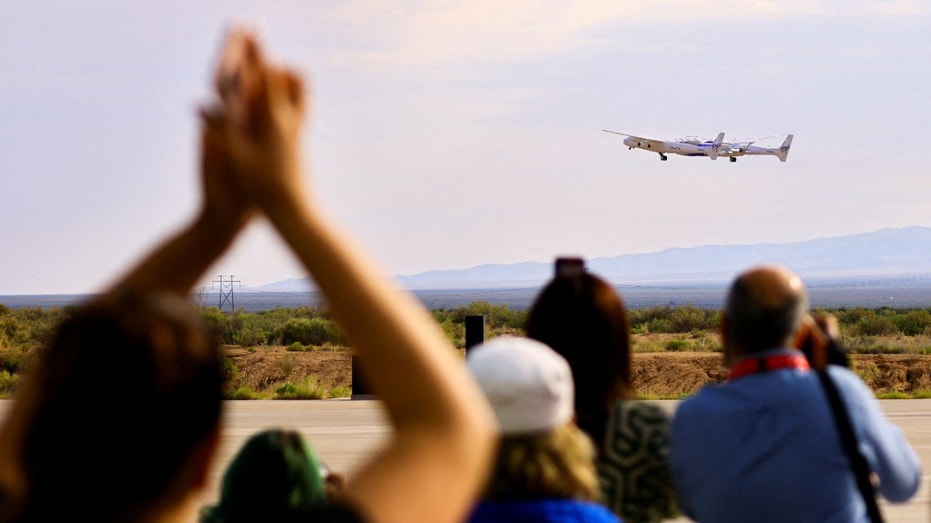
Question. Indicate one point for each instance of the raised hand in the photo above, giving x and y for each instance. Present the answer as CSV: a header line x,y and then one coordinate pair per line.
x,y
262,115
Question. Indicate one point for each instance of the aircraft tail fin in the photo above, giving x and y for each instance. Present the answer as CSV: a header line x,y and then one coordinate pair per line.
x,y
713,153
783,151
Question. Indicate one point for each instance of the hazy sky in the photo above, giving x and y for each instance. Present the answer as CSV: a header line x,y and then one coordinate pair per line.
x,y
447,135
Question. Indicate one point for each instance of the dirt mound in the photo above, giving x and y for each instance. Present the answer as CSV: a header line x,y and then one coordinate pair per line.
x,y
655,375
673,374
264,369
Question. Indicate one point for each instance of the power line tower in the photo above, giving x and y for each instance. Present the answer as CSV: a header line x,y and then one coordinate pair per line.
x,y
226,292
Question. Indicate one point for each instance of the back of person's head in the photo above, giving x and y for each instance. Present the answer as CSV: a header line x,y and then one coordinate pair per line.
x,y
275,476
121,411
765,307
542,453
584,319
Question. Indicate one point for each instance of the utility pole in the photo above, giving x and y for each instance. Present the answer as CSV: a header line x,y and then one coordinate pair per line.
x,y
226,292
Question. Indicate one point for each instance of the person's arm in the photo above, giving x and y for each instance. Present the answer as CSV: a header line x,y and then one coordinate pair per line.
x,y
177,263
883,444
434,466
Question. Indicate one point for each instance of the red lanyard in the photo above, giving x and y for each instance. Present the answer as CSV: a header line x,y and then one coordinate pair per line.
x,y
752,365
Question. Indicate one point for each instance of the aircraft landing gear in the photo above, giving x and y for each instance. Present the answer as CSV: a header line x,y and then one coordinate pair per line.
x,y
663,157
733,159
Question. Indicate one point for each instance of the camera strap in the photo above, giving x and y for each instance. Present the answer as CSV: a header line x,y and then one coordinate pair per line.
x,y
849,440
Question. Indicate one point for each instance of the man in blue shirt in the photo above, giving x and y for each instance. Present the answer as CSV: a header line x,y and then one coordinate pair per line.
x,y
763,446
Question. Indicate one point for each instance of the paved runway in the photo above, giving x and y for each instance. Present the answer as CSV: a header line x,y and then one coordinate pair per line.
x,y
343,432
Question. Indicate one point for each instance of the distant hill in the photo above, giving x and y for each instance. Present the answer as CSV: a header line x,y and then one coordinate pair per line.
x,y
886,253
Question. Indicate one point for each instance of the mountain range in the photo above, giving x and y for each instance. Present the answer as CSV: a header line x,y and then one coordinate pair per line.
x,y
886,253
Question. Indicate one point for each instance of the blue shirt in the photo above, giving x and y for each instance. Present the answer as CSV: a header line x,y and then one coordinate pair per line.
x,y
765,447
542,511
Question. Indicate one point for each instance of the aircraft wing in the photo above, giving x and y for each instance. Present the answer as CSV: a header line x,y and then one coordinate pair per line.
x,y
643,143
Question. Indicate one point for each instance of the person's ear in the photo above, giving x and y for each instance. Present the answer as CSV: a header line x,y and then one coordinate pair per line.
x,y
723,325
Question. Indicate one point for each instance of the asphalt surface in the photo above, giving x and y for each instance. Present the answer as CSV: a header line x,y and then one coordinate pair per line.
x,y
344,432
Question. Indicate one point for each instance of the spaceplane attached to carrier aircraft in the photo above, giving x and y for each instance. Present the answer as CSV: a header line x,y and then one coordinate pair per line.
x,y
734,149
686,147
710,148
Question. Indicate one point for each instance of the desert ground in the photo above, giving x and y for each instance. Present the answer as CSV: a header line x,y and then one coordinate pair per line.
x,y
658,375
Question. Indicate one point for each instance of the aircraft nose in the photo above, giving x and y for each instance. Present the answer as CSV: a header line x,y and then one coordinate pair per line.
x,y
630,142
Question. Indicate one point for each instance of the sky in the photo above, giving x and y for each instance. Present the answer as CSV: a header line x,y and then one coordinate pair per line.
x,y
447,135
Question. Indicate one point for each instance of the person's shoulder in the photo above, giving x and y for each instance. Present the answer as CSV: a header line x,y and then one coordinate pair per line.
x,y
636,413
597,513
554,510
706,395
849,381
642,408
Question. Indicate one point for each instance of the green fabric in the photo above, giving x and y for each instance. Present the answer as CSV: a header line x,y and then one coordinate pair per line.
x,y
275,476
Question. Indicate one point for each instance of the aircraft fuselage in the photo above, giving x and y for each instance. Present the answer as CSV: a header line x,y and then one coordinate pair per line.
x,y
664,147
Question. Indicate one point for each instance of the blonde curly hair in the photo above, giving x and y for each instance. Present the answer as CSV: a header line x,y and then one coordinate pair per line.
x,y
555,464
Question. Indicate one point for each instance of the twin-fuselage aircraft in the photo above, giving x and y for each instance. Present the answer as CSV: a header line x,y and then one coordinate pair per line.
x,y
710,148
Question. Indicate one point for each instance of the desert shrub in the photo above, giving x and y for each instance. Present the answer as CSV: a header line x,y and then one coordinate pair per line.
x,y
877,347
892,395
30,326
216,321
312,331
658,326
286,364
913,322
677,345
874,325
849,317
341,391
296,347
9,382
454,332
310,311
250,335
288,389
228,368
647,346
16,361
246,328
309,389
497,317
706,344
640,319
243,393
689,318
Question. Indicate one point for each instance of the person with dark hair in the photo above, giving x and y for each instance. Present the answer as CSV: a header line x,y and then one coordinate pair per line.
x,y
128,391
545,469
764,445
275,476
584,319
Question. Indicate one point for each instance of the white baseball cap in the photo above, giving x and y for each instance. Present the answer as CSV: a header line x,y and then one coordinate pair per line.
x,y
528,384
